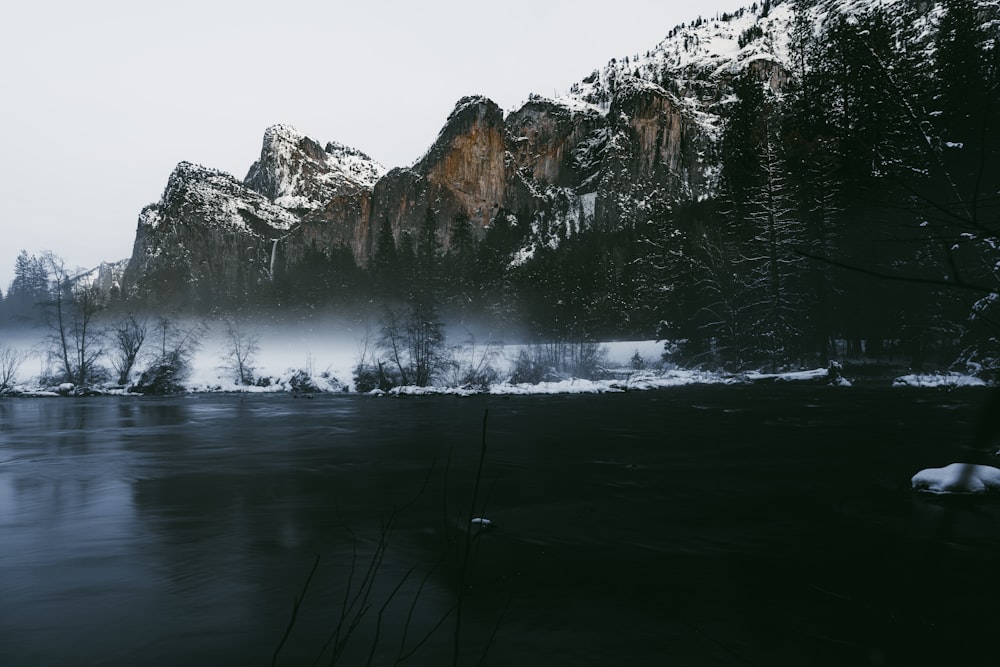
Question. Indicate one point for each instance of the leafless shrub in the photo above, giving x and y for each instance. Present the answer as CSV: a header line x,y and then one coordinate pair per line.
x,y
240,353
561,360
10,364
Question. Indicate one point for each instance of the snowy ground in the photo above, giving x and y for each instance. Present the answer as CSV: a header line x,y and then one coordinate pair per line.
x,y
330,361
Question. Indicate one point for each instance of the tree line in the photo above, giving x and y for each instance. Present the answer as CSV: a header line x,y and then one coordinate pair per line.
x,y
87,339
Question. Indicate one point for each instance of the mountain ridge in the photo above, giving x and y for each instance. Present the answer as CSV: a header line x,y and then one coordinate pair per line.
x,y
633,198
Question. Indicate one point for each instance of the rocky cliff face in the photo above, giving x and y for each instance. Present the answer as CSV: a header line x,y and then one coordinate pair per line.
x,y
463,172
208,240
328,190
212,239
639,127
542,137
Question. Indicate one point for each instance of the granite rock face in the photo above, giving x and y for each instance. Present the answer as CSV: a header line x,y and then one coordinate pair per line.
x,y
632,131
208,240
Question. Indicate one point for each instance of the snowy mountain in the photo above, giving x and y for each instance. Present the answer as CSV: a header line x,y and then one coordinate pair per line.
x,y
680,187
590,157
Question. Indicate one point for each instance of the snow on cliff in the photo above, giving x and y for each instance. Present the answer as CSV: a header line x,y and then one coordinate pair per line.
x,y
295,172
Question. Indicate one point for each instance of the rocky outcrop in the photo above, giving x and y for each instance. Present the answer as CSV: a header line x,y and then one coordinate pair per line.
x,y
296,173
329,189
542,138
463,173
208,240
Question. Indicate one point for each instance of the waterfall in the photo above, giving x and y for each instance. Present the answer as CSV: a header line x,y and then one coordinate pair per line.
x,y
274,254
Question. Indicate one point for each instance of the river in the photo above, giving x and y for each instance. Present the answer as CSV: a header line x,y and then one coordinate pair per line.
x,y
715,525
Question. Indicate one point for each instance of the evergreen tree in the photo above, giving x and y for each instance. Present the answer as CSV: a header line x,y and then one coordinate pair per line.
x,y
407,261
741,139
385,260
962,206
29,288
775,304
461,249
427,271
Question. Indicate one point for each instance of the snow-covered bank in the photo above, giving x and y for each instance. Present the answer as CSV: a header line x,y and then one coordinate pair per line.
x,y
321,357
304,381
639,381
948,380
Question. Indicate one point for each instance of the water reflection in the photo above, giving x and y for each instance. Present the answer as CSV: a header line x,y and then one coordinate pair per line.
x,y
150,531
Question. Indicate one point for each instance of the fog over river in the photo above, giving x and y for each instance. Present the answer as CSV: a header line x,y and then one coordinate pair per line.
x,y
704,525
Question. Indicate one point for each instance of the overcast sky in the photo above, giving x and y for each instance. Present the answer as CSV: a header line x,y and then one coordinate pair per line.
x,y
99,100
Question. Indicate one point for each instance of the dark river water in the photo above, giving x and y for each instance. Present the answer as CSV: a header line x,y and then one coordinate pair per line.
x,y
742,525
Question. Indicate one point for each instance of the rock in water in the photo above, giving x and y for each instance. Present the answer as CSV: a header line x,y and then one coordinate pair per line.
x,y
958,478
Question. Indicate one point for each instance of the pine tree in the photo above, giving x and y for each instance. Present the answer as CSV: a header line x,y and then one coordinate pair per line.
x,y
772,264
461,251
428,257
741,138
385,260
29,288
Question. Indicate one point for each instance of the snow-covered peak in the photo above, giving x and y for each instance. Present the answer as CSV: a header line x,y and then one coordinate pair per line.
x,y
468,111
701,51
354,163
282,133
189,176
468,102
296,172
694,56
195,192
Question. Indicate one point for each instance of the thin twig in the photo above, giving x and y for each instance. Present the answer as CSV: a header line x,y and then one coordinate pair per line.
x,y
381,611
463,566
295,612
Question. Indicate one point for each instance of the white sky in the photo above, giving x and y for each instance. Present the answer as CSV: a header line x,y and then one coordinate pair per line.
x,y
100,99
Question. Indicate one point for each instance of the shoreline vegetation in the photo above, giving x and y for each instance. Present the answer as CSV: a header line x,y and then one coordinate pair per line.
x,y
406,354
299,382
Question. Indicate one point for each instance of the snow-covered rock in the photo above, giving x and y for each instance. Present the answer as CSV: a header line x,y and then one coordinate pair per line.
x,y
816,374
958,478
295,172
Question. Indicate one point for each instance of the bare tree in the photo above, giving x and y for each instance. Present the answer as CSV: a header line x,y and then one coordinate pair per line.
x,y
241,350
391,340
474,366
129,335
370,371
10,363
414,344
75,341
